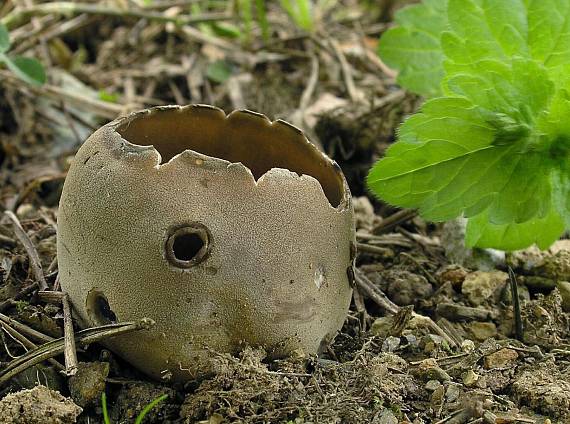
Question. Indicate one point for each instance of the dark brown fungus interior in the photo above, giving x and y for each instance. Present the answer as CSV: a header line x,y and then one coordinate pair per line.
x,y
243,137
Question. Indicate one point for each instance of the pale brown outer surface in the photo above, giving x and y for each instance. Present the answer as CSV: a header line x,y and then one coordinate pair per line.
x,y
271,241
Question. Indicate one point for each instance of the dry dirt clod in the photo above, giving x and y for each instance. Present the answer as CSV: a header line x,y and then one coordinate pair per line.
x,y
38,405
545,322
431,385
504,358
482,331
406,288
564,289
453,274
134,397
545,389
428,369
386,417
480,286
87,385
470,378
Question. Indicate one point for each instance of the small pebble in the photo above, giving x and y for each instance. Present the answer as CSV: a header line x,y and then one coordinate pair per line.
x,y
452,393
467,346
431,385
387,417
390,344
428,369
470,378
504,358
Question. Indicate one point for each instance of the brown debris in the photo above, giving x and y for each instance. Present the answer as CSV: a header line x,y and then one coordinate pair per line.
x,y
38,405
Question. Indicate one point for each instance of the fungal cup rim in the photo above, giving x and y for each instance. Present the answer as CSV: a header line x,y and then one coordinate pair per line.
x,y
274,173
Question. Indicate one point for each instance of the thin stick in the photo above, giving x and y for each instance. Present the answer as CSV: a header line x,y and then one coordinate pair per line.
x,y
72,8
56,347
22,328
21,294
375,250
28,344
353,93
394,219
51,296
394,239
30,249
375,293
7,241
382,300
70,352
311,84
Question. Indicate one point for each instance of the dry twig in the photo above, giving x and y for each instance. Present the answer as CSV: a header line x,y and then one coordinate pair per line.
x,y
382,300
56,347
70,352
30,249
73,8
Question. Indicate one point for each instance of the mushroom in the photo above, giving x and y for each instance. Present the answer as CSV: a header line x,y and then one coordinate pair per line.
x,y
225,230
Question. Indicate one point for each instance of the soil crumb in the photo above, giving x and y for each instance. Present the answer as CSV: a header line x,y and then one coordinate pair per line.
x,y
38,405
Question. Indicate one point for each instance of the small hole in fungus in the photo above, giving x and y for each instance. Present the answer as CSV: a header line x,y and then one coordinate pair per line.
x,y
99,310
188,245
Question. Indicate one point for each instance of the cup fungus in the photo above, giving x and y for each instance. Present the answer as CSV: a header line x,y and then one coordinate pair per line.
x,y
223,230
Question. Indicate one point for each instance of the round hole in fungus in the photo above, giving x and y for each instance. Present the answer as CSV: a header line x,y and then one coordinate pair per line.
x,y
99,309
188,245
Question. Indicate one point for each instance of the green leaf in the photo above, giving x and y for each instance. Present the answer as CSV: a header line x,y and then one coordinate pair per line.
x,y
519,88
561,188
487,29
456,158
496,148
413,48
219,71
27,69
483,30
4,39
541,231
108,97
225,29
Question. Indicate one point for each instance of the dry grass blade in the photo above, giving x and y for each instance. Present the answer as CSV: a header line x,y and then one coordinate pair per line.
x,y
27,343
56,347
24,329
30,249
70,8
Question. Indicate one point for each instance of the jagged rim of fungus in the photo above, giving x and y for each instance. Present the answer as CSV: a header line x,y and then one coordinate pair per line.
x,y
328,174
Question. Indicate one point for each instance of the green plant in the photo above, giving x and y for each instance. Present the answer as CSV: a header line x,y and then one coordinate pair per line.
x,y
493,141
25,68
141,415
300,11
245,10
